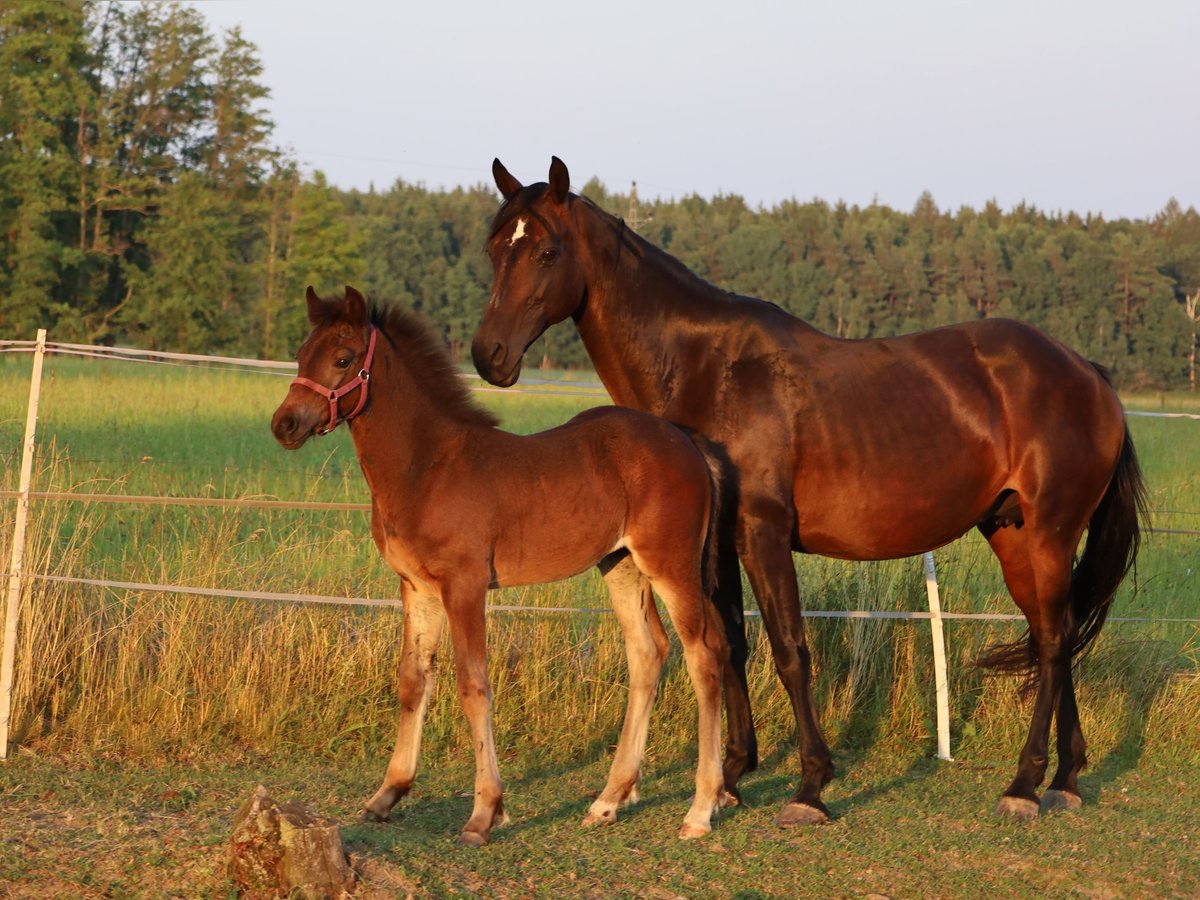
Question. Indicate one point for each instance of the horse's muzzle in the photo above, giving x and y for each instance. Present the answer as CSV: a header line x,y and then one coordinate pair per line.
x,y
494,364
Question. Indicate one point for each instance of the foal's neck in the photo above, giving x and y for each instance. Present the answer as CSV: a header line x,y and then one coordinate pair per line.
x,y
404,430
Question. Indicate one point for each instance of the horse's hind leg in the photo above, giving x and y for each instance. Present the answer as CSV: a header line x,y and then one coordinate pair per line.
x,y
645,651
1037,570
423,621
1063,792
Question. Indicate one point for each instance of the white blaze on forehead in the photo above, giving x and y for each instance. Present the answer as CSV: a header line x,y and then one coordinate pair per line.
x,y
518,232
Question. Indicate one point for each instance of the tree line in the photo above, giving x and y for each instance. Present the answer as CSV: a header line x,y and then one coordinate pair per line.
x,y
143,202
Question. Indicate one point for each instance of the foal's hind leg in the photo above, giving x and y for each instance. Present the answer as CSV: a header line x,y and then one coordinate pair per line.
x,y
1037,570
423,621
705,652
645,651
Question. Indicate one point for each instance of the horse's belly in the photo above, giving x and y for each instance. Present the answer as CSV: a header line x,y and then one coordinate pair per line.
x,y
887,519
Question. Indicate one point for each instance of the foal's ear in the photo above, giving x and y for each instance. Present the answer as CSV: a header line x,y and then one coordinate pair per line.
x,y
560,179
505,181
355,311
317,308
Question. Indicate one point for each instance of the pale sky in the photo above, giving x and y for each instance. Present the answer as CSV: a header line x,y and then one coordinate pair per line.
x,y
1084,105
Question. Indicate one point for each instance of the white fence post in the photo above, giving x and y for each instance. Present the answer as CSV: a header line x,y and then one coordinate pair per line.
x,y
940,685
13,605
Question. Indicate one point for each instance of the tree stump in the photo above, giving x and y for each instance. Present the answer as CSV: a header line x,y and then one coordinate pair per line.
x,y
287,849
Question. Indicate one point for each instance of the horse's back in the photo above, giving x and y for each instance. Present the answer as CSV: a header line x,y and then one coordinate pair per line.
x,y
905,443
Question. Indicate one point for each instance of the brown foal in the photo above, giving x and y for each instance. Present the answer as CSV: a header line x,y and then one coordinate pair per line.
x,y
459,506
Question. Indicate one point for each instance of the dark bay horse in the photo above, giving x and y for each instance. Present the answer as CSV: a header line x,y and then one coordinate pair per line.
x,y
856,449
459,506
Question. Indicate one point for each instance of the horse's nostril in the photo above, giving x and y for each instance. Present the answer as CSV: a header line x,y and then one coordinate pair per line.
x,y
498,354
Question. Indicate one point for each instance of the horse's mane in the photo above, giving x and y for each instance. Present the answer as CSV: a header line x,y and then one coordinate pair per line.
x,y
424,351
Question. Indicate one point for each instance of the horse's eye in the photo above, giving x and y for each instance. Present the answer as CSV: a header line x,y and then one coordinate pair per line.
x,y
548,256
343,362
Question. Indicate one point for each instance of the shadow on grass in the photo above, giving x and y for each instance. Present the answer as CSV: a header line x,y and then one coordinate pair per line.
x,y
1143,678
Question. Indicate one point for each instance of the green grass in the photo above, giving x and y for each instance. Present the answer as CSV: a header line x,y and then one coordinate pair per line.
x,y
904,826
151,714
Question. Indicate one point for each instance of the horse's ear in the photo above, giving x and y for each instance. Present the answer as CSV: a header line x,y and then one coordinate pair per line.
x,y
560,179
317,312
504,180
355,311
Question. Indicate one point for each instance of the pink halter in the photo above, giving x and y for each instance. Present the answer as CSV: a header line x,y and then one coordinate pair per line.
x,y
335,394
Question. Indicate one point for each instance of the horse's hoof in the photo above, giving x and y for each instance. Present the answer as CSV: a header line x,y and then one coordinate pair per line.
x,y
800,814
1054,800
369,815
689,832
1017,808
729,797
472,839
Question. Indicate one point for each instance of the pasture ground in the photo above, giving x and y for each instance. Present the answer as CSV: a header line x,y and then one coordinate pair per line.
x,y
904,826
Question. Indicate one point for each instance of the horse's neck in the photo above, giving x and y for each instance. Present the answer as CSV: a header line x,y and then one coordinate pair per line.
x,y
638,304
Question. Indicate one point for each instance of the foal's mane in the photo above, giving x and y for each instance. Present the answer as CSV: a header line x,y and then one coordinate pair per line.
x,y
422,349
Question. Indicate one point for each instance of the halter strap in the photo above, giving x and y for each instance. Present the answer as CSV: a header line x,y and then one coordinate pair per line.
x,y
362,379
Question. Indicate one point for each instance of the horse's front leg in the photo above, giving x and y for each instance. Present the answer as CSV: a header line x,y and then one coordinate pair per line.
x,y
464,603
423,621
764,545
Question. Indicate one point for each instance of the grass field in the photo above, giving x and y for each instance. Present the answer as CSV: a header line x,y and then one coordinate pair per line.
x,y
144,720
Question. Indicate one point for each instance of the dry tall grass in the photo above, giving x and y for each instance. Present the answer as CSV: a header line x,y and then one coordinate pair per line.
x,y
145,675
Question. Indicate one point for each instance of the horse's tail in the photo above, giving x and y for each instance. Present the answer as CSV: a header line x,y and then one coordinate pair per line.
x,y
718,469
1113,539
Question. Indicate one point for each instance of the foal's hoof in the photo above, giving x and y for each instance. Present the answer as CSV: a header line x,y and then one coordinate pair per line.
x,y
599,817
1017,808
1054,800
688,832
372,816
800,814
472,839
729,798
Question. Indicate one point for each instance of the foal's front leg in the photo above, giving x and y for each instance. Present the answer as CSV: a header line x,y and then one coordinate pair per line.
x,y
464,605
423,621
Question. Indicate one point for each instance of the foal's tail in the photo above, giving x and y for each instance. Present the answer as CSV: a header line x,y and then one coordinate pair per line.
x,y
718,470
1114,536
